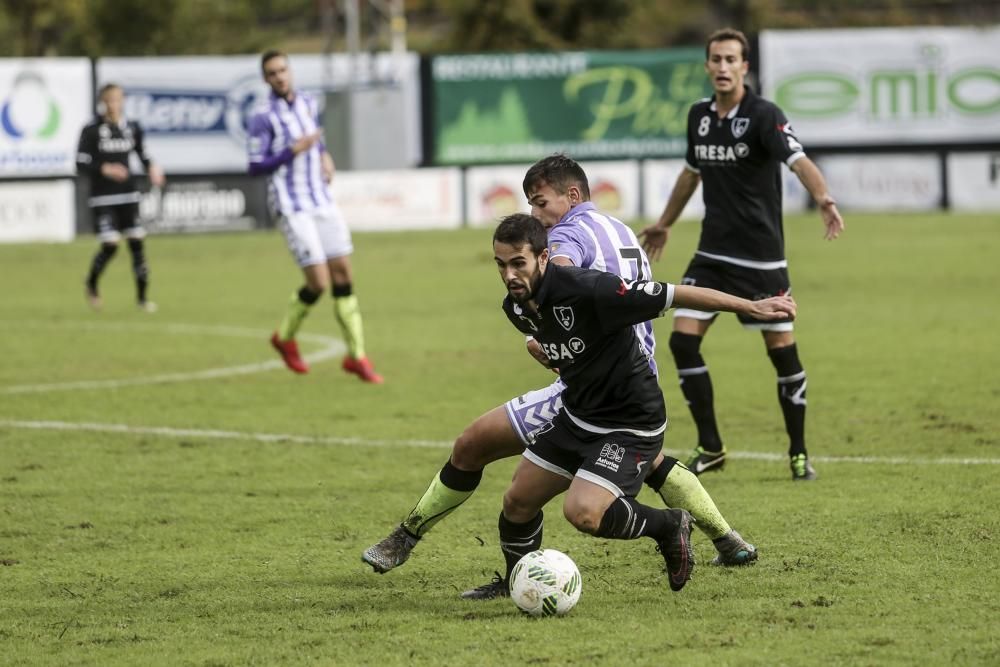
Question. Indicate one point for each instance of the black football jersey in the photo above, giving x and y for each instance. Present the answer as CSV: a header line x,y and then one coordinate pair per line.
x,y
585,324
102,142
739,159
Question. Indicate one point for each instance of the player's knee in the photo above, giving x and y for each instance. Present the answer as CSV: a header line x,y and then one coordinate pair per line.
x,y
685,347
480,444
517,508
585,517
465,454
109,248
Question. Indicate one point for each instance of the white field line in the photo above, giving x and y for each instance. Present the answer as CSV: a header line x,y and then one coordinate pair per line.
x,y
214,434
333,347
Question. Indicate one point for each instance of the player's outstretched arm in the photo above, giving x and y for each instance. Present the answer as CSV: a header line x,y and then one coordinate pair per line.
x,y
703,298
813,181
654,237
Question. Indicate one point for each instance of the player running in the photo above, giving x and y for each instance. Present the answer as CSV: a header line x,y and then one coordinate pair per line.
x,y
285,142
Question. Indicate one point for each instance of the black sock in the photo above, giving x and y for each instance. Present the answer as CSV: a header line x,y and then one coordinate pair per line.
x,y
627,519
696,384
139,269
460,480
340,291
658,475
101,259
791,395
307,296
518,539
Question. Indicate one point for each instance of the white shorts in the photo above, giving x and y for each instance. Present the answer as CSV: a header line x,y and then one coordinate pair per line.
x,y
315,236
529,413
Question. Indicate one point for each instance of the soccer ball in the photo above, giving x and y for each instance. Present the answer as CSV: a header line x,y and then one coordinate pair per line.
x,y
545,583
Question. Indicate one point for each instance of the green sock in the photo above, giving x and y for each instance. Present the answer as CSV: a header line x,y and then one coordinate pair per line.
x,y
682,489
437,502
294,314
349,316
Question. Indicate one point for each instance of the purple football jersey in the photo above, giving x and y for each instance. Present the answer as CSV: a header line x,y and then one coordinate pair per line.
x,y
592,240
296,181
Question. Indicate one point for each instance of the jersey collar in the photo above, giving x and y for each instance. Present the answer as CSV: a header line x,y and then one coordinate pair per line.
x,y
747,95
542,291
579,208
276,98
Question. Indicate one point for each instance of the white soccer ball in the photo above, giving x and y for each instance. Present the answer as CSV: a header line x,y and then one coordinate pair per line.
x,y
545,583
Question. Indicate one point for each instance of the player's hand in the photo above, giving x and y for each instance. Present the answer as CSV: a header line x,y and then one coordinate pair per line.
x,y
776,308
327,168
305,142
536,351
115,171
831,220
653,238
156,177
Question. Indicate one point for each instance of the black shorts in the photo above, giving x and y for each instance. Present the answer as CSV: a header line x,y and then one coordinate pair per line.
x,y
741,281
114,221
618,461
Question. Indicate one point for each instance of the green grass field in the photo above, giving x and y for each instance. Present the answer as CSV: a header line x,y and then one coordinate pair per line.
x,y
169,495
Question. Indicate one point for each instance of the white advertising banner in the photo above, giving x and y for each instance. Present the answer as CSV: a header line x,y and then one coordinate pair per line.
x,y
884,182
194,110
44,103
404,199
974,181
493,192
658,178
37,211
614,188
885,85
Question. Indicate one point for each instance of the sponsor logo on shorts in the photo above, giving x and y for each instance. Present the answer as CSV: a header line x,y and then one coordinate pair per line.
x,y
611,456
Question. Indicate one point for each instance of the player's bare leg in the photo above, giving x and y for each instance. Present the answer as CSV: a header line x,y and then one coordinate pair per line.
x,y
784,355
489,438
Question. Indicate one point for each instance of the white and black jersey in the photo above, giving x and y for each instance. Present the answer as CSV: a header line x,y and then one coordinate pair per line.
x,y
738,158
102,142
584,323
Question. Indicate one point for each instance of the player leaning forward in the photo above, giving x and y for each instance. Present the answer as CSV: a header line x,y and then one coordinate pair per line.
x,y
285,141
613,418
578,235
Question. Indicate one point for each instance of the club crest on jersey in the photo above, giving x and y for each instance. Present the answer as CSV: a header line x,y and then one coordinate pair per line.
x,y
564,316
739,127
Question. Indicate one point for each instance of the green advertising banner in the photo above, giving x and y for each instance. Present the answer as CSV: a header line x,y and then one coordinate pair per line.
x,y
590,105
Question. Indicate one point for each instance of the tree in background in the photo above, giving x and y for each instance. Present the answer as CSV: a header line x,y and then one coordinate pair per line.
x,y
187,27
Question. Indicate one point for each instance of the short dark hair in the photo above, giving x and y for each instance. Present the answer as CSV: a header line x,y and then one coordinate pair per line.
x,y
270,54
107,88
521,228
726,34
558,171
